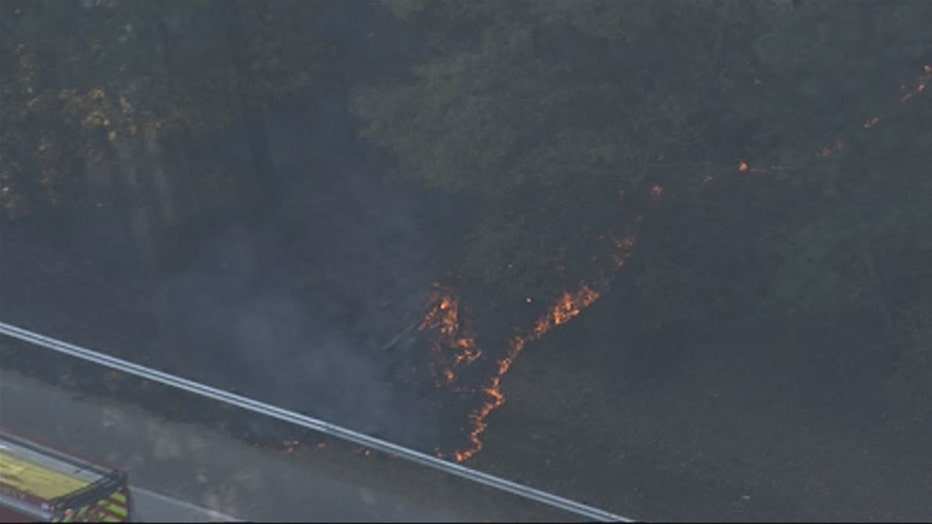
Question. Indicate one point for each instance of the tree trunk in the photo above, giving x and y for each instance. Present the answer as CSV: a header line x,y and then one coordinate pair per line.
x,y
262,189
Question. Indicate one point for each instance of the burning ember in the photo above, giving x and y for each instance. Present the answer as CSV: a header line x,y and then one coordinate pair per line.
x,y
656,192
451,349
918,89
454,349
566,308
291,445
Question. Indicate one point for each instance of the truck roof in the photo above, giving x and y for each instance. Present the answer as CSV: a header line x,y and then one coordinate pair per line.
x,y
42,472
41,483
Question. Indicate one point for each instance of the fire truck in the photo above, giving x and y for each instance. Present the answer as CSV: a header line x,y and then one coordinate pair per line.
x,y
40,484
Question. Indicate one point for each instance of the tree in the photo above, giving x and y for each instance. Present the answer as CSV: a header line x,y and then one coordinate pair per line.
x,y
84,81
544,113
753,118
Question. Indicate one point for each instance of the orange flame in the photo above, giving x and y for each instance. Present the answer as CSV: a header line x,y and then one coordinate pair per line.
x,y
623,250
918,90
445,316
566,308
656,191
743,167
829,150
569,306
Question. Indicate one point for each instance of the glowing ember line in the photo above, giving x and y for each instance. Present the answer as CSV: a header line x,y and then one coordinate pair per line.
x,y
569,306
919,89
451,348
566,308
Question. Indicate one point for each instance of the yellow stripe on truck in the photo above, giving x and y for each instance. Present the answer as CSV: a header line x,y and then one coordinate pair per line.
x,y
119,511
116,505
35,479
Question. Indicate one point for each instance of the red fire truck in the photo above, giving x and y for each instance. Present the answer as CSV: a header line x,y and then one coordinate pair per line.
x,y
40,484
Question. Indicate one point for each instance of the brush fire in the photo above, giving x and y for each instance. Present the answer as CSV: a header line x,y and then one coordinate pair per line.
x,y
455,346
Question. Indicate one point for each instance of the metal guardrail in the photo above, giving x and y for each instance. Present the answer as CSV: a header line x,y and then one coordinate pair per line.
x,y
305,421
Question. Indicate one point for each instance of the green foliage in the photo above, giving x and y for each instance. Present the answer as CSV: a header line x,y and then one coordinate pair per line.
x,y
541,112
569,102
82,78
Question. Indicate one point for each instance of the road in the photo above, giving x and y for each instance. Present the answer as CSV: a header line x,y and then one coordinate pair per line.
x,y
150,506
186,472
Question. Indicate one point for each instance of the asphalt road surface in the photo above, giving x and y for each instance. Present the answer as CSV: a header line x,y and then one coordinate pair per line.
x,y
186,472
150,506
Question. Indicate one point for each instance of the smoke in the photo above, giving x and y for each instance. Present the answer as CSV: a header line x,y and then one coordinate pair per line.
x,y
244,325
